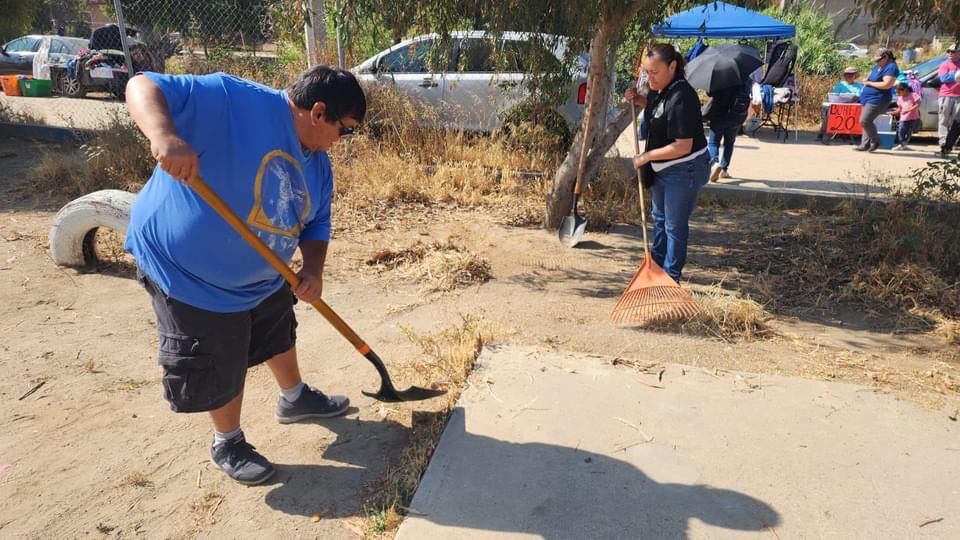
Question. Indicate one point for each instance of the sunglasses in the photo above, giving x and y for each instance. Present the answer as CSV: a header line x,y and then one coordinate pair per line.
x,y
344,130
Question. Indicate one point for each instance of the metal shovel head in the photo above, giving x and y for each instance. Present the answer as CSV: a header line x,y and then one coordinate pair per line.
x,y
392,395
571,230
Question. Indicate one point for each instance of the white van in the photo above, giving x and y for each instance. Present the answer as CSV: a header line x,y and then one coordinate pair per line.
x,y
471,93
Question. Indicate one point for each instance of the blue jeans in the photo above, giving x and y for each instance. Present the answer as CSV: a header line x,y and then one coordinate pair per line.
x,y
905,130
728,135
675,191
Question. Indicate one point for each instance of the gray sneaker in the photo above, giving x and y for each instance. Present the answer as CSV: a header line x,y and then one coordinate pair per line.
x,y
241,462
312,403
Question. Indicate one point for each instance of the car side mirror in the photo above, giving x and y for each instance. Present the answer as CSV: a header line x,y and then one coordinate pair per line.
x,y
4,50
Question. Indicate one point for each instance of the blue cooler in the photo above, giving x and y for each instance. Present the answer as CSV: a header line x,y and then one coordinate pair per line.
x,y
887,139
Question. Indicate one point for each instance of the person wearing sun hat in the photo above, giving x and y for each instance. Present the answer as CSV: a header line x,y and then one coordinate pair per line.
x,y
948,126
876,97
847,85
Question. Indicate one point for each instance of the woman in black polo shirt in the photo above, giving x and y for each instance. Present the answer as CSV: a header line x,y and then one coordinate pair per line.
x,y
676,151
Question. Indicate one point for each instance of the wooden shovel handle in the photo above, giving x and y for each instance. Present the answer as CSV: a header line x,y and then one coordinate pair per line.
x,y
586,132
221,208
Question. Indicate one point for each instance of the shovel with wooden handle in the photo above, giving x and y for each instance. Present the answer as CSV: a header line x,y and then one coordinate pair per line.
x,y
387,392
573,226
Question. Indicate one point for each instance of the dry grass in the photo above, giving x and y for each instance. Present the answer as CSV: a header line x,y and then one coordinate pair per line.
x,y
731,316
899,263
118,158
448,358
105,249
205,506
9,115
136,479
438,267
813,91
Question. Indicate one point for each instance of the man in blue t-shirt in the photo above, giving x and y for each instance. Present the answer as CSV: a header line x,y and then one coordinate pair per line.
x,y
876,96
220,307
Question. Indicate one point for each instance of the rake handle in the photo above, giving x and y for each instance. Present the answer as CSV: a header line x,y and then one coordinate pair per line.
x,y
636,146
221,208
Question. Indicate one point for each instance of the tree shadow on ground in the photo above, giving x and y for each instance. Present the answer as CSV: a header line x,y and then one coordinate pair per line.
x,y
554,491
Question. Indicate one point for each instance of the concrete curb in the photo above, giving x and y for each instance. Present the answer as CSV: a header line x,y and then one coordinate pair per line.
x,y
51,134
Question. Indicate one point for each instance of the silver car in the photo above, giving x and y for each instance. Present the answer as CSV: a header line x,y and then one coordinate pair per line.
x,y
471,93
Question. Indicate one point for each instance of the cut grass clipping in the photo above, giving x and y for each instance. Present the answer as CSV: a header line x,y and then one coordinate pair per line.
x,y
437,267
726,315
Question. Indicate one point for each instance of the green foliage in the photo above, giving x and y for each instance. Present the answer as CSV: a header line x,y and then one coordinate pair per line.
x,y
926,14
817,49
938,181
70,14
17,18
210,22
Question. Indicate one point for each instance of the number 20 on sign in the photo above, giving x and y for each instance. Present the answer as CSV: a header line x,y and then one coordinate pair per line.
x,y
844,119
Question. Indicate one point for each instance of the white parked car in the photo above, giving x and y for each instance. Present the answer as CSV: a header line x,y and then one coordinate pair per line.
x,y
471,93
851,50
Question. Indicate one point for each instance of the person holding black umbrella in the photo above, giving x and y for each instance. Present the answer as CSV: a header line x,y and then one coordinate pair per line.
x,y
676,153
724,73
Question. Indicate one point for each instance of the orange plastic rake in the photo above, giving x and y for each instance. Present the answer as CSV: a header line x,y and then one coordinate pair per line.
x,y
652,295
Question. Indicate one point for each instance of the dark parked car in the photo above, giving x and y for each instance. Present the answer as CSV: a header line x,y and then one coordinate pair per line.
x,y
16,56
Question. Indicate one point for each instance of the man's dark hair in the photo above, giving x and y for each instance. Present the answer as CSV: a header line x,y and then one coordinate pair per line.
x,y
337,88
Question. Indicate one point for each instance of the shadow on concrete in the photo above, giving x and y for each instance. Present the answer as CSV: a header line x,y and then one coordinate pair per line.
x,y
556,491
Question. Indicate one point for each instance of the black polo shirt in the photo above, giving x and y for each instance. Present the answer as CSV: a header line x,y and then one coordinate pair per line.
x,y
674,114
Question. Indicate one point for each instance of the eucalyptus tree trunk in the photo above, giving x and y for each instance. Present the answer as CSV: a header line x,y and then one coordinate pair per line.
x,y
603,133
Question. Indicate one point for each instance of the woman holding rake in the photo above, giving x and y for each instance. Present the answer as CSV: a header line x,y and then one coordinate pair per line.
x,y
676,153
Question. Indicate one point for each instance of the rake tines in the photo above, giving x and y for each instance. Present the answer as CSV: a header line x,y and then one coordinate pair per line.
x,y
657,303
652,295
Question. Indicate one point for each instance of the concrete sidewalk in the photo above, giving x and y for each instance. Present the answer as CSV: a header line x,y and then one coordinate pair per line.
x,y
804,165
549,445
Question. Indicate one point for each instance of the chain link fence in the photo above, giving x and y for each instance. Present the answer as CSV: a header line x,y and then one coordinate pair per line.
x,y
262,40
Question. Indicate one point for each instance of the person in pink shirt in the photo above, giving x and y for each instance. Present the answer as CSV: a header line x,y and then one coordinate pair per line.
x,y
908,110
948,127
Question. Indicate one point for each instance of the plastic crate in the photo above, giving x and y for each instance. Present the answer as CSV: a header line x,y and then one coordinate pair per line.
x,y
35,87
10,84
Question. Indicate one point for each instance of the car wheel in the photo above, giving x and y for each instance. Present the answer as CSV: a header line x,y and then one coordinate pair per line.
x,y
71,87
75,225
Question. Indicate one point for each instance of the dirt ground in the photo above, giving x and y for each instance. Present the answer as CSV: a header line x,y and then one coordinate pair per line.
x,y
95,450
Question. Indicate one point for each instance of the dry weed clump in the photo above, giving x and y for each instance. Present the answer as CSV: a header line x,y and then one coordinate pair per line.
x,y
439,267
449,357
117,158
9,115
731,316
898,261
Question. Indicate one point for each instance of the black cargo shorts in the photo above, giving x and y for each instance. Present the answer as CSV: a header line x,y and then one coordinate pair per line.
x,y
205,354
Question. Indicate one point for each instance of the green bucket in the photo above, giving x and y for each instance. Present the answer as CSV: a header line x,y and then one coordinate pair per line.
x,y
35,87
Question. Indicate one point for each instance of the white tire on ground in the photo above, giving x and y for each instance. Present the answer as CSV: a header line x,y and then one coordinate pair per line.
x,y
109,208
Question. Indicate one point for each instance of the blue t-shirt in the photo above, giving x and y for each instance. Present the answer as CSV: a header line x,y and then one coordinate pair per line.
x,y
869,94
250,155
843,87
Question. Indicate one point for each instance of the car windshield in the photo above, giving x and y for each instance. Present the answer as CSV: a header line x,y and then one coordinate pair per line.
x,y
928,67
75,44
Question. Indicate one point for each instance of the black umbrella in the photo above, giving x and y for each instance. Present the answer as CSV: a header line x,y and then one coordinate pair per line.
x,y
724,66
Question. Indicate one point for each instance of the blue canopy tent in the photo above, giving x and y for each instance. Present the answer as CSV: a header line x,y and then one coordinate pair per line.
x,y
720,20
723,21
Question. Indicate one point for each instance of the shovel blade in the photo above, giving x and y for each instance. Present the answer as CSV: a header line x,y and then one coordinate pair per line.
x,y
571,230
414,393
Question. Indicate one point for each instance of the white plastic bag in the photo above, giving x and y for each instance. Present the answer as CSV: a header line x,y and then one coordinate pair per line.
x,y
41,61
